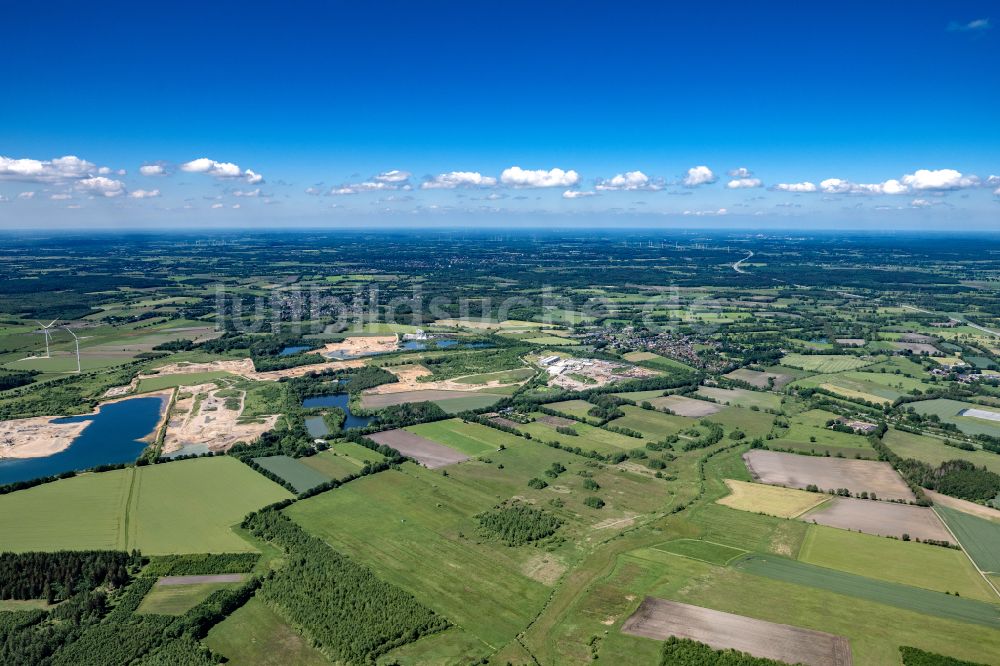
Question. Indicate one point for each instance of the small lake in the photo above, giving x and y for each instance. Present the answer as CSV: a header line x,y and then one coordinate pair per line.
x,y
316,426
338,400
288,351
112,437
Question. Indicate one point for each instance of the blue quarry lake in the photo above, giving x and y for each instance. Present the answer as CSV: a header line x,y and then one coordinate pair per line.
x,y
112,437
339,400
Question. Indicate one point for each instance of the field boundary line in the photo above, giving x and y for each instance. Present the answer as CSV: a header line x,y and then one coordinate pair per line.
x,y
959,542
743,552
800,514
126,507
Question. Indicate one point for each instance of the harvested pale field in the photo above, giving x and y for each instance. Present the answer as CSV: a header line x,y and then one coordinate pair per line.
x,y
916,347
361,346
197,580
880,518
661,619
275,375
37,436
202,418
964,506
980,414
917,337
380,400
682,406
409,377
759,379
428,453
556,421
795,471
243,366
850,342
772,500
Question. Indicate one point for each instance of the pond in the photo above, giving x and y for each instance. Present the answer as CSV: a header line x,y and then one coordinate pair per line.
x,y
288,351
316,426
112,437
339,400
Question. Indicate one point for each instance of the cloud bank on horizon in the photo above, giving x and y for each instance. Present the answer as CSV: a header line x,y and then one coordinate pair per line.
x,y
900,126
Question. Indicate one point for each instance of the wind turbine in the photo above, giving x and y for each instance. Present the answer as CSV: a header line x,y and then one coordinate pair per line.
x,y
45,330
77,341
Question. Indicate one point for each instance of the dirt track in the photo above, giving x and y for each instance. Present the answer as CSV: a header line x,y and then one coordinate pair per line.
x,y
195,580
660,619
428,453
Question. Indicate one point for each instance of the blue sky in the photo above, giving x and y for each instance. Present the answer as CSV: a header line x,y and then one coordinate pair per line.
x,y
294,113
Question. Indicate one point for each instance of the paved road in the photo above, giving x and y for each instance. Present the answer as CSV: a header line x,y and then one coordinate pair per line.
x,y
736,266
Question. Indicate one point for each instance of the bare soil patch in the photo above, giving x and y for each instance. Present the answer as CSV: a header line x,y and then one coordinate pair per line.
x,y
379,400
428,453
682,406
880,518
556,421
361,346
202,417
499,420
795,471
37,436
660,619
759,379
917,347
963,505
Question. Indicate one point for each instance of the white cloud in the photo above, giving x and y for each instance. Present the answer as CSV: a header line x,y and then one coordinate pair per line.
x,y
940,179
706,213
576,194
99,185
975,25
925,203
699,175
62,196
515,176
3,199
247,193
741,172
796,187
217,205
744,183
394,176
26,195
152,170
453,179
60,169
628,181
221,170
144,194
343,189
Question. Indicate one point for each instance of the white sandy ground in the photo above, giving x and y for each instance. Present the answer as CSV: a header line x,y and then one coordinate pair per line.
x,y
201,417
362,345
409,380
38,436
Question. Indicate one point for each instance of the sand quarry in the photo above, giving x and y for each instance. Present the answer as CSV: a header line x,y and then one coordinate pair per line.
x,y
37,437
361,346
409,388
200,416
